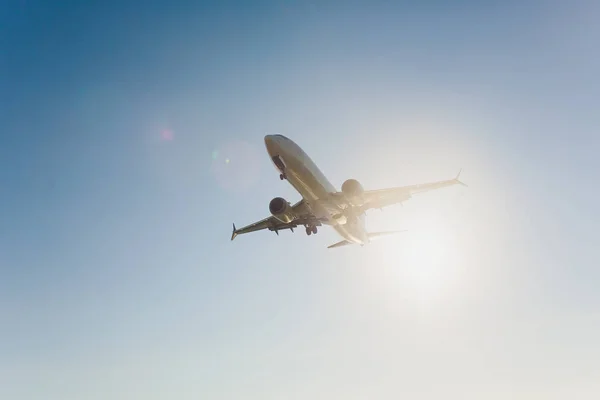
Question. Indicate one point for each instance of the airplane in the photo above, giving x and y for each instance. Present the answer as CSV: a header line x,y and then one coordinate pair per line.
x,y
321,203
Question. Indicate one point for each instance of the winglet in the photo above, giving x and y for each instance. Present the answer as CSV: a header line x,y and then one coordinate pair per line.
x,y
458,181
234,233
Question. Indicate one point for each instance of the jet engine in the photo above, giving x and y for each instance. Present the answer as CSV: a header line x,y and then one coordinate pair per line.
x,y
353,191
282,210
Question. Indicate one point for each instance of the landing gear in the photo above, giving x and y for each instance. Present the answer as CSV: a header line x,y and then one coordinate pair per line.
x,y
311,229
278,161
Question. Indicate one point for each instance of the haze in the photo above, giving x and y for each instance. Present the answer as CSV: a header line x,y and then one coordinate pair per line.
x,y
132,137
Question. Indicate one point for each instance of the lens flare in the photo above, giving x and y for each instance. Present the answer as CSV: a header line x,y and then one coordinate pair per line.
x,y
236,165
167,135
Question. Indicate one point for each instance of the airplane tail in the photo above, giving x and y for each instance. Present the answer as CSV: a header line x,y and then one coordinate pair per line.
x,y
372,235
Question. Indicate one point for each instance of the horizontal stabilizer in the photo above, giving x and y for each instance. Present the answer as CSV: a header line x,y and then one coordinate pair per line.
x,y
339,244
372,235
375,235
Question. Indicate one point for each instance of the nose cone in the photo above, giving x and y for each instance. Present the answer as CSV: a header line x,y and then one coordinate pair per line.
x,y
271,144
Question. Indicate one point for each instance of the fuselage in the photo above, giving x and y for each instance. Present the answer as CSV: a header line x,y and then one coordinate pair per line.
x,y
302,173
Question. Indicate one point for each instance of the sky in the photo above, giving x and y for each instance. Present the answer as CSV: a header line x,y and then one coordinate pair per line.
x,y
132,138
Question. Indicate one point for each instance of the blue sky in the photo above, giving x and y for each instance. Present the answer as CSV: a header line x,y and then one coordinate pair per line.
x,y
117,276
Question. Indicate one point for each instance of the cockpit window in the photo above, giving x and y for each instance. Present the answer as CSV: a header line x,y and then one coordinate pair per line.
x,y
281,136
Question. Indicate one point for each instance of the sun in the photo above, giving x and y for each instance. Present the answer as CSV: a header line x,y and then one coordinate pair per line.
x,y
425,260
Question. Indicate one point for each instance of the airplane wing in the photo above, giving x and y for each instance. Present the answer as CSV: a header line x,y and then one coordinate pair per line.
x,y
273,224
385,197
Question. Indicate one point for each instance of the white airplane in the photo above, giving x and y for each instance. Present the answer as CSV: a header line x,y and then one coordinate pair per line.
x,y
321,203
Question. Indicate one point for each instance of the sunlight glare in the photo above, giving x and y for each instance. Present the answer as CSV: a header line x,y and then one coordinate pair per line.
x,y
425,262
